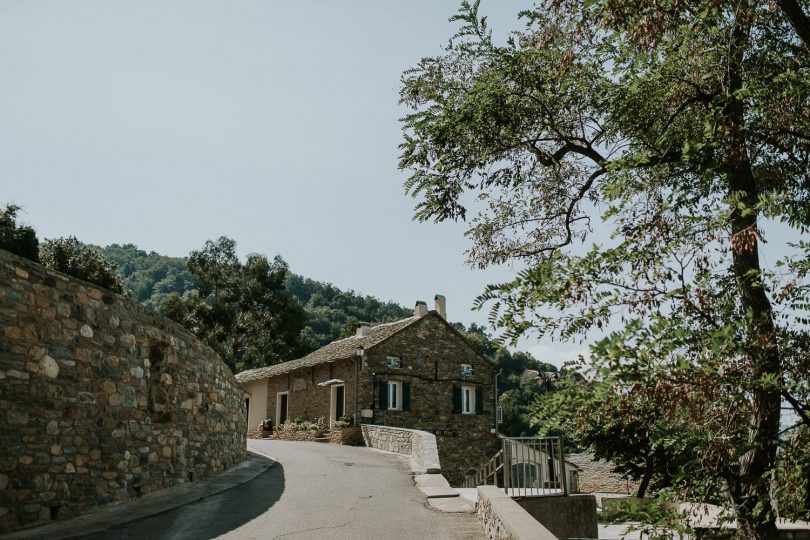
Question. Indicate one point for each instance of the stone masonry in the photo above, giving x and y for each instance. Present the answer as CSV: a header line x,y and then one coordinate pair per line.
x,y
101,400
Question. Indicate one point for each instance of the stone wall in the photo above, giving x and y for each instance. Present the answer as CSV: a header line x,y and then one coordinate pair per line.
x,y
565,516
346,435
306,399
419,445
504,519
289,433
102,400
598,476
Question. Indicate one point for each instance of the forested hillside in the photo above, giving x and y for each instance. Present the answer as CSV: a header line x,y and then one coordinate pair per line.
x,y
331,313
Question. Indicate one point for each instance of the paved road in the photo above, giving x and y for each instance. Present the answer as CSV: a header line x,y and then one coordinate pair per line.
x,y
314,491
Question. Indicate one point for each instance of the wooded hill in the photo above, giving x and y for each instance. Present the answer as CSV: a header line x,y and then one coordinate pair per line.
x,y
331,313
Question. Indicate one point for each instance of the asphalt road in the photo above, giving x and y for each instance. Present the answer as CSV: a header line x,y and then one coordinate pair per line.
x,y
315,491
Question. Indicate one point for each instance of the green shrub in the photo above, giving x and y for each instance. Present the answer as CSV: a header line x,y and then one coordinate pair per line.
x,y
71,257
18,239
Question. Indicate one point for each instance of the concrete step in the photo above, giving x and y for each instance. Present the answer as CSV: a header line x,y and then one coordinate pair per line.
x,y
322,439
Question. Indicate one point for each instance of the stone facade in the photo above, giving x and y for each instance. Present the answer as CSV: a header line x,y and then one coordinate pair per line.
x,y
598,476
102,400
431,355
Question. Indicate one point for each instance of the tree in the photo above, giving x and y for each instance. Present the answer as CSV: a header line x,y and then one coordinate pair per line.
x,y
71,257
241,310
18,239
679,130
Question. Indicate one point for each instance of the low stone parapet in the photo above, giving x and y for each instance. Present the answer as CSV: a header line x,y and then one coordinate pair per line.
x,y
289,433
504,519
419,445
346,435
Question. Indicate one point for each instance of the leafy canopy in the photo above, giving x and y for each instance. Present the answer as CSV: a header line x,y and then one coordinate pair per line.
x,y
625,155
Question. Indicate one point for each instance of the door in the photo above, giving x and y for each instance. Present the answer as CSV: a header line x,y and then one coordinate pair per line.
x,y
338,402
283,404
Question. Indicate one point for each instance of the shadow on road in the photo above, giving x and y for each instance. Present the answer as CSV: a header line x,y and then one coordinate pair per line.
x,y
209,517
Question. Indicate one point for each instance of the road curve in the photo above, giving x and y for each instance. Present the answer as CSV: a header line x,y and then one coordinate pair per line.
x,y
315,491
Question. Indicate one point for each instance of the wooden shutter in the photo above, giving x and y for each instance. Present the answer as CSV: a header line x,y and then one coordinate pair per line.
x,y
406,396
383,395
456,398
479,400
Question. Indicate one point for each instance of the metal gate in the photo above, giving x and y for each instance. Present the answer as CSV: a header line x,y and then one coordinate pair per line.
x,y
525,467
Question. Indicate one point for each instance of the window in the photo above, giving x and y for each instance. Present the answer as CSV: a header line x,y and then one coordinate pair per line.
x,y
467,400
394,362
394,395
466,369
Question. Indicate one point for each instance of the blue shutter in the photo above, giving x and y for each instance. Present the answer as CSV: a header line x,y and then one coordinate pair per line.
x,y
456,399
406,396
383,395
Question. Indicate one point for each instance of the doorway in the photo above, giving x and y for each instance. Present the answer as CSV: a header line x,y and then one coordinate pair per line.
x,y
338,407
282,407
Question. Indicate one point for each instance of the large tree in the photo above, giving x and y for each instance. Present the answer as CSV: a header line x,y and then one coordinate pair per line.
x,y
240,309
676,126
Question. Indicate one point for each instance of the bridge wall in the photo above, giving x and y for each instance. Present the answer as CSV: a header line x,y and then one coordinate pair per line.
x,y
102,400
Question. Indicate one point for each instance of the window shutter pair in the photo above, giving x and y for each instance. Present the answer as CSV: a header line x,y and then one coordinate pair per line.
x,y
406,396
479,400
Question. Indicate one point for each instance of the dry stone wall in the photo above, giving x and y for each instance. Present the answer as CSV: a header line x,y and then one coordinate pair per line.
x,y
101,400
598,476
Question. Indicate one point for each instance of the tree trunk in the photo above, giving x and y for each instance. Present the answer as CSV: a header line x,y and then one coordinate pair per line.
x,y
645,480
751,494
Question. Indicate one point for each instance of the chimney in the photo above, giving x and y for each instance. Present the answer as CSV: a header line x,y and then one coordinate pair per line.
x,y
421,309
363,329
441,306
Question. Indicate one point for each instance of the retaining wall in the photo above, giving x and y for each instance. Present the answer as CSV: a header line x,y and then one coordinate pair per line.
x,y
102,400
419,445
504,519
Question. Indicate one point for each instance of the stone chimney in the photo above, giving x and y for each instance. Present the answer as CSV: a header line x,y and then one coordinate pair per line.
x,y
441,305
421,309
363,329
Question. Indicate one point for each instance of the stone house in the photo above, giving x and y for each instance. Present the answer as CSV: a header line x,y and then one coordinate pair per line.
x,y
416,373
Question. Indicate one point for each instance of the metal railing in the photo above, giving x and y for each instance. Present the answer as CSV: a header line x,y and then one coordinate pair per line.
x,y
488,474
525,467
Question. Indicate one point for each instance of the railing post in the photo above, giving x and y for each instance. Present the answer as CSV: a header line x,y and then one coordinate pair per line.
x,y
506,446
563,475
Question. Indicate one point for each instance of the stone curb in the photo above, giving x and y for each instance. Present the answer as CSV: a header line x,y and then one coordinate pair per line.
x,y
151,504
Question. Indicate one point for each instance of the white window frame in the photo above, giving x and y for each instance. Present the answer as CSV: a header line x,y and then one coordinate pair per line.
x,y
278,406
395,397
467,399
466,369
391,360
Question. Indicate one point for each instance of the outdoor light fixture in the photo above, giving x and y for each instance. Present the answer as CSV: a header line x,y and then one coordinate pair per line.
x,y
360,351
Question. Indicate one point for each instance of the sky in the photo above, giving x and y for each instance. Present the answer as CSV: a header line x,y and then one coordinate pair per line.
x,y
165,124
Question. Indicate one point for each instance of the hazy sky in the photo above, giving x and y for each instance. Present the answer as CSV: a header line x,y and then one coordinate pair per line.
x,y
165,124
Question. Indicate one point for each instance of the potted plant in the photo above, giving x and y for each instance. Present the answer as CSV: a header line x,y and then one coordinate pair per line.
x,y
265,428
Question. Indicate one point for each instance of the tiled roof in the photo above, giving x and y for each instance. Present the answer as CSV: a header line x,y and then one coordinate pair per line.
x,y
344,348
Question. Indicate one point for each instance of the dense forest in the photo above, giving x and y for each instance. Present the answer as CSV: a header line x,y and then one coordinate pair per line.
x,y
331,313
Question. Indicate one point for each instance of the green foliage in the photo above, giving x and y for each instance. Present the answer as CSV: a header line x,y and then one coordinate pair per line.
x,y
18,239
71,257
673,131
151,277
333,314
241,310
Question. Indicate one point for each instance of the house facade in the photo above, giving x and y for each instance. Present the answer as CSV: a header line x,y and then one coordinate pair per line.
x,y
417,373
